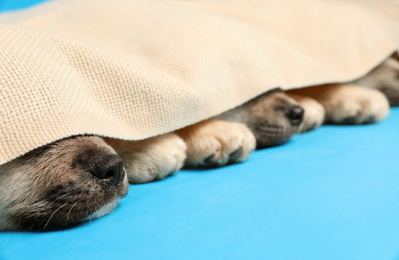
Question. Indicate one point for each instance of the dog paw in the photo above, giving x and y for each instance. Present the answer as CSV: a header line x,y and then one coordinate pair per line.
x,y
216,143
314,113
349,104
151,159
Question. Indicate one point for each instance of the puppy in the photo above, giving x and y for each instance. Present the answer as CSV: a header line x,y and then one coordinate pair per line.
x,y
272,118
267,120
82,178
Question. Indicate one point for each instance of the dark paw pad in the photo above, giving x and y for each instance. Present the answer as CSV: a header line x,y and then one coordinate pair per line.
x,y
234,156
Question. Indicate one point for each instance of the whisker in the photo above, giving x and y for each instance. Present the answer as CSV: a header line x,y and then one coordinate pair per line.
x,y
48,221
69,212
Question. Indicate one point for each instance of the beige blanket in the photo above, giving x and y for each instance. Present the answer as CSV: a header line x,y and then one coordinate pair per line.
x,y
134,69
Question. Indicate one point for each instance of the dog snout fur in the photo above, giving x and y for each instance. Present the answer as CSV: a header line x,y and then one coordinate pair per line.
x,y
60,185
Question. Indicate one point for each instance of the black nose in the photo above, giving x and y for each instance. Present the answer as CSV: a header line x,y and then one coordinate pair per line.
x,y
295,114
109,168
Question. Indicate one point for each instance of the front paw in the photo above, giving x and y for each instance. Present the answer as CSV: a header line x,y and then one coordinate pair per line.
x,y
216,143
151,159
349,104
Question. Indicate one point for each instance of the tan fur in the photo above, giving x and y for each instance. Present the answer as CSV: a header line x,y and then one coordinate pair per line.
x,y
353,103
73,180
151,159
216,143
348,104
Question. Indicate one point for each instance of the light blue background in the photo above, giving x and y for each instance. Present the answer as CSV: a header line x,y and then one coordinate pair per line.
x,y
329,194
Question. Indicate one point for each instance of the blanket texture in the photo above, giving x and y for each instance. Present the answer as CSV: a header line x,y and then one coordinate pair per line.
x,y
133,69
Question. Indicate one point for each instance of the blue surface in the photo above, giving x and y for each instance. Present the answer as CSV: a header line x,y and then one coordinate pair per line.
x,y
9,5
329,194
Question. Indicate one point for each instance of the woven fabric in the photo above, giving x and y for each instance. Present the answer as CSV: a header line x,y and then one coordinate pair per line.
x,y
134,69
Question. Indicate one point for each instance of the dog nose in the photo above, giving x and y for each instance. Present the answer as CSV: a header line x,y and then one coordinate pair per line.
x,y
109,168
295,114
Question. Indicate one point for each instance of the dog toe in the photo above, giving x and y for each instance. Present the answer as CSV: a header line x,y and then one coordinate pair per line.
x,y
215,143
152,159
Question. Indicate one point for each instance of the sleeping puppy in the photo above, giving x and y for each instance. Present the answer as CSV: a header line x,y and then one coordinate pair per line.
x,y
267,120
82,178
272,118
